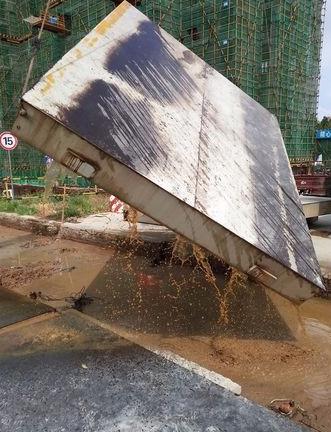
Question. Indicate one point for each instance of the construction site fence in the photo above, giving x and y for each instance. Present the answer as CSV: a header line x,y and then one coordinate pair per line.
x,y
269,48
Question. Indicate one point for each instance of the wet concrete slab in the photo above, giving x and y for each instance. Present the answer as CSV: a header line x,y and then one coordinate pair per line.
x,y
69,374
15,308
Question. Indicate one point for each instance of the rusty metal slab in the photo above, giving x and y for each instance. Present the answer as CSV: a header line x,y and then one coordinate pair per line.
x,y
152,123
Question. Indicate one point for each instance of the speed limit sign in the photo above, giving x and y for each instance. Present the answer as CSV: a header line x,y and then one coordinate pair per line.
x,y
8,141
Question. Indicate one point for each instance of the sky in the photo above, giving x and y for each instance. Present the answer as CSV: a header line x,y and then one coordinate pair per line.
x,y
324,108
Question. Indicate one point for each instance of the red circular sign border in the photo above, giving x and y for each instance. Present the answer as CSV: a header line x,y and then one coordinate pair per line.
x,y
16,140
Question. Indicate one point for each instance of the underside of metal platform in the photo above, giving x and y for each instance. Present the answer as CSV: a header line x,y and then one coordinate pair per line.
x,y
315,206
146,119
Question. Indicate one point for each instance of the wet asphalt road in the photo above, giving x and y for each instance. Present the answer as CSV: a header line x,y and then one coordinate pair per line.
x,y
118,386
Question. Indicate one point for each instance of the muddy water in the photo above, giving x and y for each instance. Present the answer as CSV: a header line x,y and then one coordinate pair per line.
x,y
57,268
271,347
317,331
175,300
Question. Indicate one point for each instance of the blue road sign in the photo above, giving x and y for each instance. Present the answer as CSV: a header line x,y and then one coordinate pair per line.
x,y
323,134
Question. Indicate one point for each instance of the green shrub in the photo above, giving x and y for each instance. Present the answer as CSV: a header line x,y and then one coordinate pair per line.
x,y
22,207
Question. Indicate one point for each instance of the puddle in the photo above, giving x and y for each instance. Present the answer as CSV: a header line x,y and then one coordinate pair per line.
x,y
318,388
56,268
318,330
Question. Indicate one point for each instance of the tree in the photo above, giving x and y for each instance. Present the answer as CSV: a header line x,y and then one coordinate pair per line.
x,y
325,123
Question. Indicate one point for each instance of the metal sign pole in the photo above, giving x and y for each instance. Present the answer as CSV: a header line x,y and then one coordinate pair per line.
x,y
9,142
11,176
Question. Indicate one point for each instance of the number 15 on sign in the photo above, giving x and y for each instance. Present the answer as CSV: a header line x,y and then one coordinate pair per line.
x,y
9,142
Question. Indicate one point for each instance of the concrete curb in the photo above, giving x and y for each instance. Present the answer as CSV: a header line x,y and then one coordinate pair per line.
x,y
99,229
30,223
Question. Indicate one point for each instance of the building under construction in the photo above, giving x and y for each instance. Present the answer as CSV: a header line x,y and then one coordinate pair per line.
x,y
269,48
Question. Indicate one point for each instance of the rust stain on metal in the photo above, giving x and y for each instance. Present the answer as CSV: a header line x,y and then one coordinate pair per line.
x,y
49,82
78,53
91,42
105,24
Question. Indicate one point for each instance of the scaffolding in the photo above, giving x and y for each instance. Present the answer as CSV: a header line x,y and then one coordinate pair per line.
x,y
269,48
290,67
